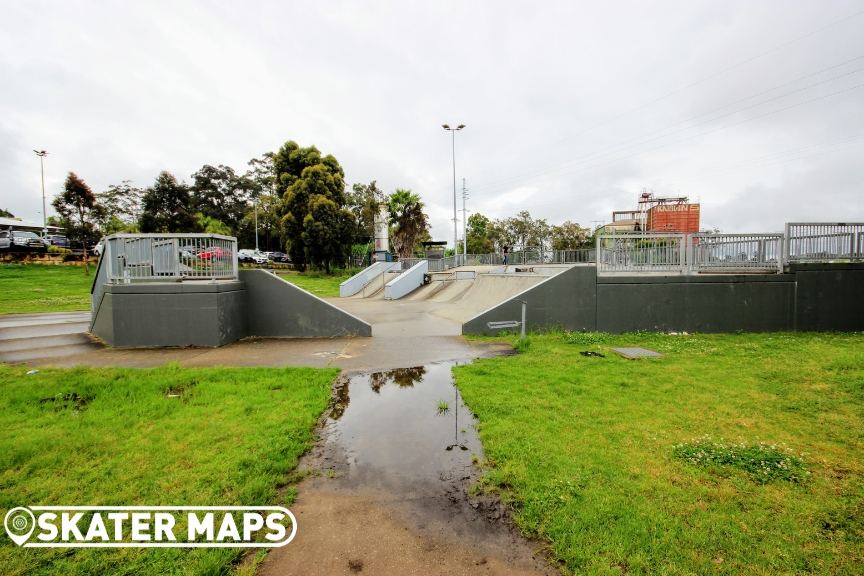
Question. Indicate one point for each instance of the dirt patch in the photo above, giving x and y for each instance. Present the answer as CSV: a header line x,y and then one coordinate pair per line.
x,y
384,495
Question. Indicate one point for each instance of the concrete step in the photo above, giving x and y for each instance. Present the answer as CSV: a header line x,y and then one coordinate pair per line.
x,y
17,344
41,330
48,352
16,320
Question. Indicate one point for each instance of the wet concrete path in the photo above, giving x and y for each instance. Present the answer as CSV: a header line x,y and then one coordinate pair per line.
x,y
389,487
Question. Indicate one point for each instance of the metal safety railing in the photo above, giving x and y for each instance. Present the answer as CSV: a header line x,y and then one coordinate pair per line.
x,y
689,253
167,257
735,252
581,256
824,242
633,253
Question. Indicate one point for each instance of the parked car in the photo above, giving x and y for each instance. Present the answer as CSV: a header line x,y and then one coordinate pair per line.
x,y
251,256
279,257
97,249
215,252
59,241
21,240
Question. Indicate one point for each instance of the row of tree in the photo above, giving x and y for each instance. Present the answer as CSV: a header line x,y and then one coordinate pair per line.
x,y
519,232
297,201
294,198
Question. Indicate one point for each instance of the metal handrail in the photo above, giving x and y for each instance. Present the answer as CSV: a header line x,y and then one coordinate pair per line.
x,y
170,257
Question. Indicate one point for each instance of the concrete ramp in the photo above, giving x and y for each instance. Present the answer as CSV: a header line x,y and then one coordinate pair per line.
x,y
275,307
488,291
357,283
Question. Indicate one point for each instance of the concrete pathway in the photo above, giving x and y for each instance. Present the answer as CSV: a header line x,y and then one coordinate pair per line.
x,y
404,334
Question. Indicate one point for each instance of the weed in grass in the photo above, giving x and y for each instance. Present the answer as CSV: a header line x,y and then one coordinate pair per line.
x,y
763,462
587,338
523,344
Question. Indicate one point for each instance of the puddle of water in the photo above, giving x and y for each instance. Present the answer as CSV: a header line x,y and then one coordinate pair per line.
x,y
393,421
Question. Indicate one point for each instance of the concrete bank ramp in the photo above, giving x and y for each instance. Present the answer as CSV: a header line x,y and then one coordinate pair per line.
x,y
275,307
488,291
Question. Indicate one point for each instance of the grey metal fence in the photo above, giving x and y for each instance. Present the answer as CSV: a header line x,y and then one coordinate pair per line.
x,y
735,252
581,256
632,253
824,242
142,257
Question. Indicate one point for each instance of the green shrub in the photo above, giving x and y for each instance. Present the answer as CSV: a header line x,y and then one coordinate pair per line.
x,y
58,250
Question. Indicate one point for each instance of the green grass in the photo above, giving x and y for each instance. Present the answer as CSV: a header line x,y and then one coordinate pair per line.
x,y
28,288
318,282
85,436
658,466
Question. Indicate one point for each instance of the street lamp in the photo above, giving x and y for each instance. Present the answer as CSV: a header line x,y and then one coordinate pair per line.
x,y
455,230
42,154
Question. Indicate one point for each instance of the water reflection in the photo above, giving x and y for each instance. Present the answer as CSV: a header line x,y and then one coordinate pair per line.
x,y
397,428
402,377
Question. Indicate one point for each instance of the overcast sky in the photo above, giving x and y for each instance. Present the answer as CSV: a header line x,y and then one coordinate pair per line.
x,y
753,108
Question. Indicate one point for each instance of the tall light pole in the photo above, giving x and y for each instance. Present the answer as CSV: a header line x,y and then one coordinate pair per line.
x,y
42,154
455,229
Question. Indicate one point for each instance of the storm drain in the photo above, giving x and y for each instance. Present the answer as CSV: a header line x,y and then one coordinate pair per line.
x,y
635,353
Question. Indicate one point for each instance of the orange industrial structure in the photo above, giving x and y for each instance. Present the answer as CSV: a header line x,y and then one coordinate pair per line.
x,y
656,215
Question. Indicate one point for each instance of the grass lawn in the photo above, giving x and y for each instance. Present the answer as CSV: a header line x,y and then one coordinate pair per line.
x,y
318,283
32,288
656,466
107,437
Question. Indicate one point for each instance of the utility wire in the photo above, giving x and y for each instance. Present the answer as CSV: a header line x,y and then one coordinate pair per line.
x,y
735,170
691,137
563,165
681,89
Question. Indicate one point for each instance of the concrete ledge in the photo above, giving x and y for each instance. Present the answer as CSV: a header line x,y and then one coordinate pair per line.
x,y
196,287
275,307
692,278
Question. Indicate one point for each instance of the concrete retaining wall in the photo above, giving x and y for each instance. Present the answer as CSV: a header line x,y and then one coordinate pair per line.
x,y
808,297
214,314
171,314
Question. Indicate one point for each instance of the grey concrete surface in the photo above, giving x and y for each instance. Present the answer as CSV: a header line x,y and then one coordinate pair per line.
x,y
567,300
26,337
406,335
829,297
808,297
171,314
275,307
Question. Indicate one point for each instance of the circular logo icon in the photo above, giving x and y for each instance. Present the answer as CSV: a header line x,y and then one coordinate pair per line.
x,y
19,523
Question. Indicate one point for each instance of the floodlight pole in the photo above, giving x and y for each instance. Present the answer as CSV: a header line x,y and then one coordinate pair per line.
x,y
256,225
455,225
464,221
42,154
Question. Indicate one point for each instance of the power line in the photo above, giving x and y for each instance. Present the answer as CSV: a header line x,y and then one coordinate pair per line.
x,y
684,88
691,137
720,171
562,165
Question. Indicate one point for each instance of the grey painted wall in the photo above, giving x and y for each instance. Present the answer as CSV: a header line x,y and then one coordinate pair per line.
x,y
808,297
278,308
567,300
829,296
716,303
171,314
215,314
